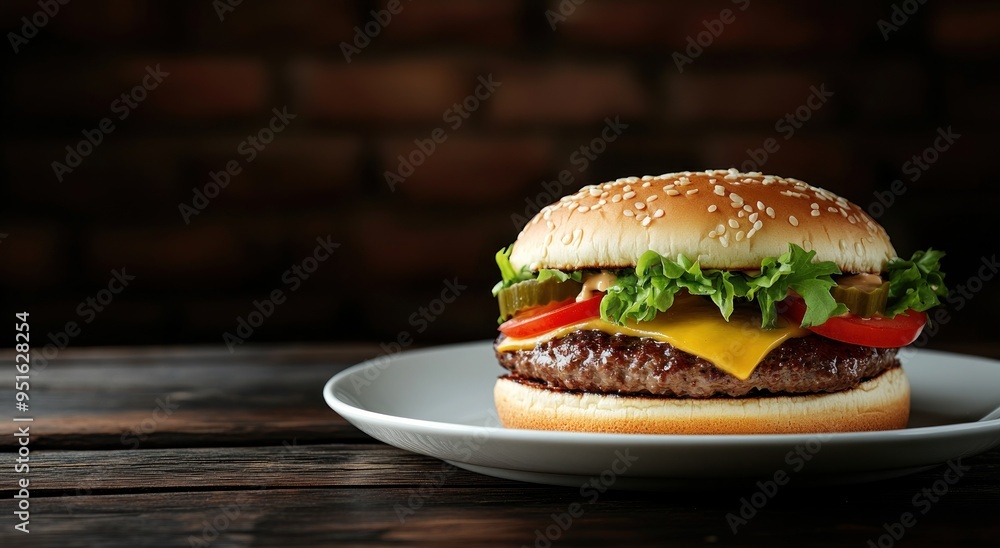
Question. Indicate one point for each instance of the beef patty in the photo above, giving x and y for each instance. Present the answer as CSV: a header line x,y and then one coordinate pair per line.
x,y
595,361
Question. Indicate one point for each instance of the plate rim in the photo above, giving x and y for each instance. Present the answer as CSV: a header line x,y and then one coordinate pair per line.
x,y
425,426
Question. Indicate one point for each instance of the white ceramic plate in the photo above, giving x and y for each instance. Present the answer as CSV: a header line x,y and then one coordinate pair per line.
x,y
439,402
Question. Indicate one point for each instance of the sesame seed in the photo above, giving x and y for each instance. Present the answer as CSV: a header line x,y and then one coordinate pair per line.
x,y
712,181
807,245
721,229
724,240
646,221
831,209
550,224
859,248
646,185
734,223
736,198
851,218
751,233
748,209
692,191
616,198
815,213
640,205
753,217
628,195
758,225
647,177
770,212
567,238
632,179
720,190
741,214
712,208
843,245
760,205
627,188
640,216
793,220
740,235
814,205
582,209
712,234
651,198
673,192
595,206
602,202
595,191
658,214
629,213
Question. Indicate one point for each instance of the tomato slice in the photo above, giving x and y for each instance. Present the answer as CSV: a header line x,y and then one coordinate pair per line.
x,y
541,319
877,331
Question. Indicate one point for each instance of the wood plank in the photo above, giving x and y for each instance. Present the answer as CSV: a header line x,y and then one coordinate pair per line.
x,y
148,400
292,465
511,515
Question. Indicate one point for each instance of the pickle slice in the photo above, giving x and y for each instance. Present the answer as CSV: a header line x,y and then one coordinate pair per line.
x,y
864,302
531,293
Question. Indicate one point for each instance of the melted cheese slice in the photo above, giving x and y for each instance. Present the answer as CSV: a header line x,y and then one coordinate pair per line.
x,y
694,326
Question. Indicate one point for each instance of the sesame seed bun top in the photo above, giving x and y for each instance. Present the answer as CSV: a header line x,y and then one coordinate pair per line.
x,y
724,219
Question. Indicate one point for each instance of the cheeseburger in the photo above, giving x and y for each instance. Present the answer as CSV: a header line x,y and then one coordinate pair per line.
x,y
707,303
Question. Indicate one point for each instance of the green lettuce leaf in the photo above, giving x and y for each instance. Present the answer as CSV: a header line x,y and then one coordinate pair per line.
x,y
656,280
509,276
796,271
917,283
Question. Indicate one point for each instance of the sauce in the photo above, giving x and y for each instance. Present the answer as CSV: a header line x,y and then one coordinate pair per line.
x,y
596,282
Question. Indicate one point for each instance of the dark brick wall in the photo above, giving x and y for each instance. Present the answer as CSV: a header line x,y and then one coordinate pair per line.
x,y
495,157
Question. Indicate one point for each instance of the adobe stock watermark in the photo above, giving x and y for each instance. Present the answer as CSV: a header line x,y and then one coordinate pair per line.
x,y
292,279
957,299
463,450
454,117
922,502
229,514
914,168
591,492
123,106
224,7
363,36
141,431
247,150
30,26
796,458
786,126
420,321
566,8
698,43
580,158
87,311
899,15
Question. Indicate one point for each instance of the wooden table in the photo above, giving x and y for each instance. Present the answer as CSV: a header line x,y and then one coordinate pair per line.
x,y
197,447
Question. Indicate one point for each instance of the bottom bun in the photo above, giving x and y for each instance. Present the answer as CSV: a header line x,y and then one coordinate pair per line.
x,y
881,403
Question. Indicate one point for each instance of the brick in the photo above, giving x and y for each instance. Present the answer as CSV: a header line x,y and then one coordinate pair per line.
x,y
744,96
470,170
968,27
492,23
566,93
972,98
202,255
762,25
32,257
196,88
885,90
209,87
452,243
103,185
406,90
271,26
312,169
